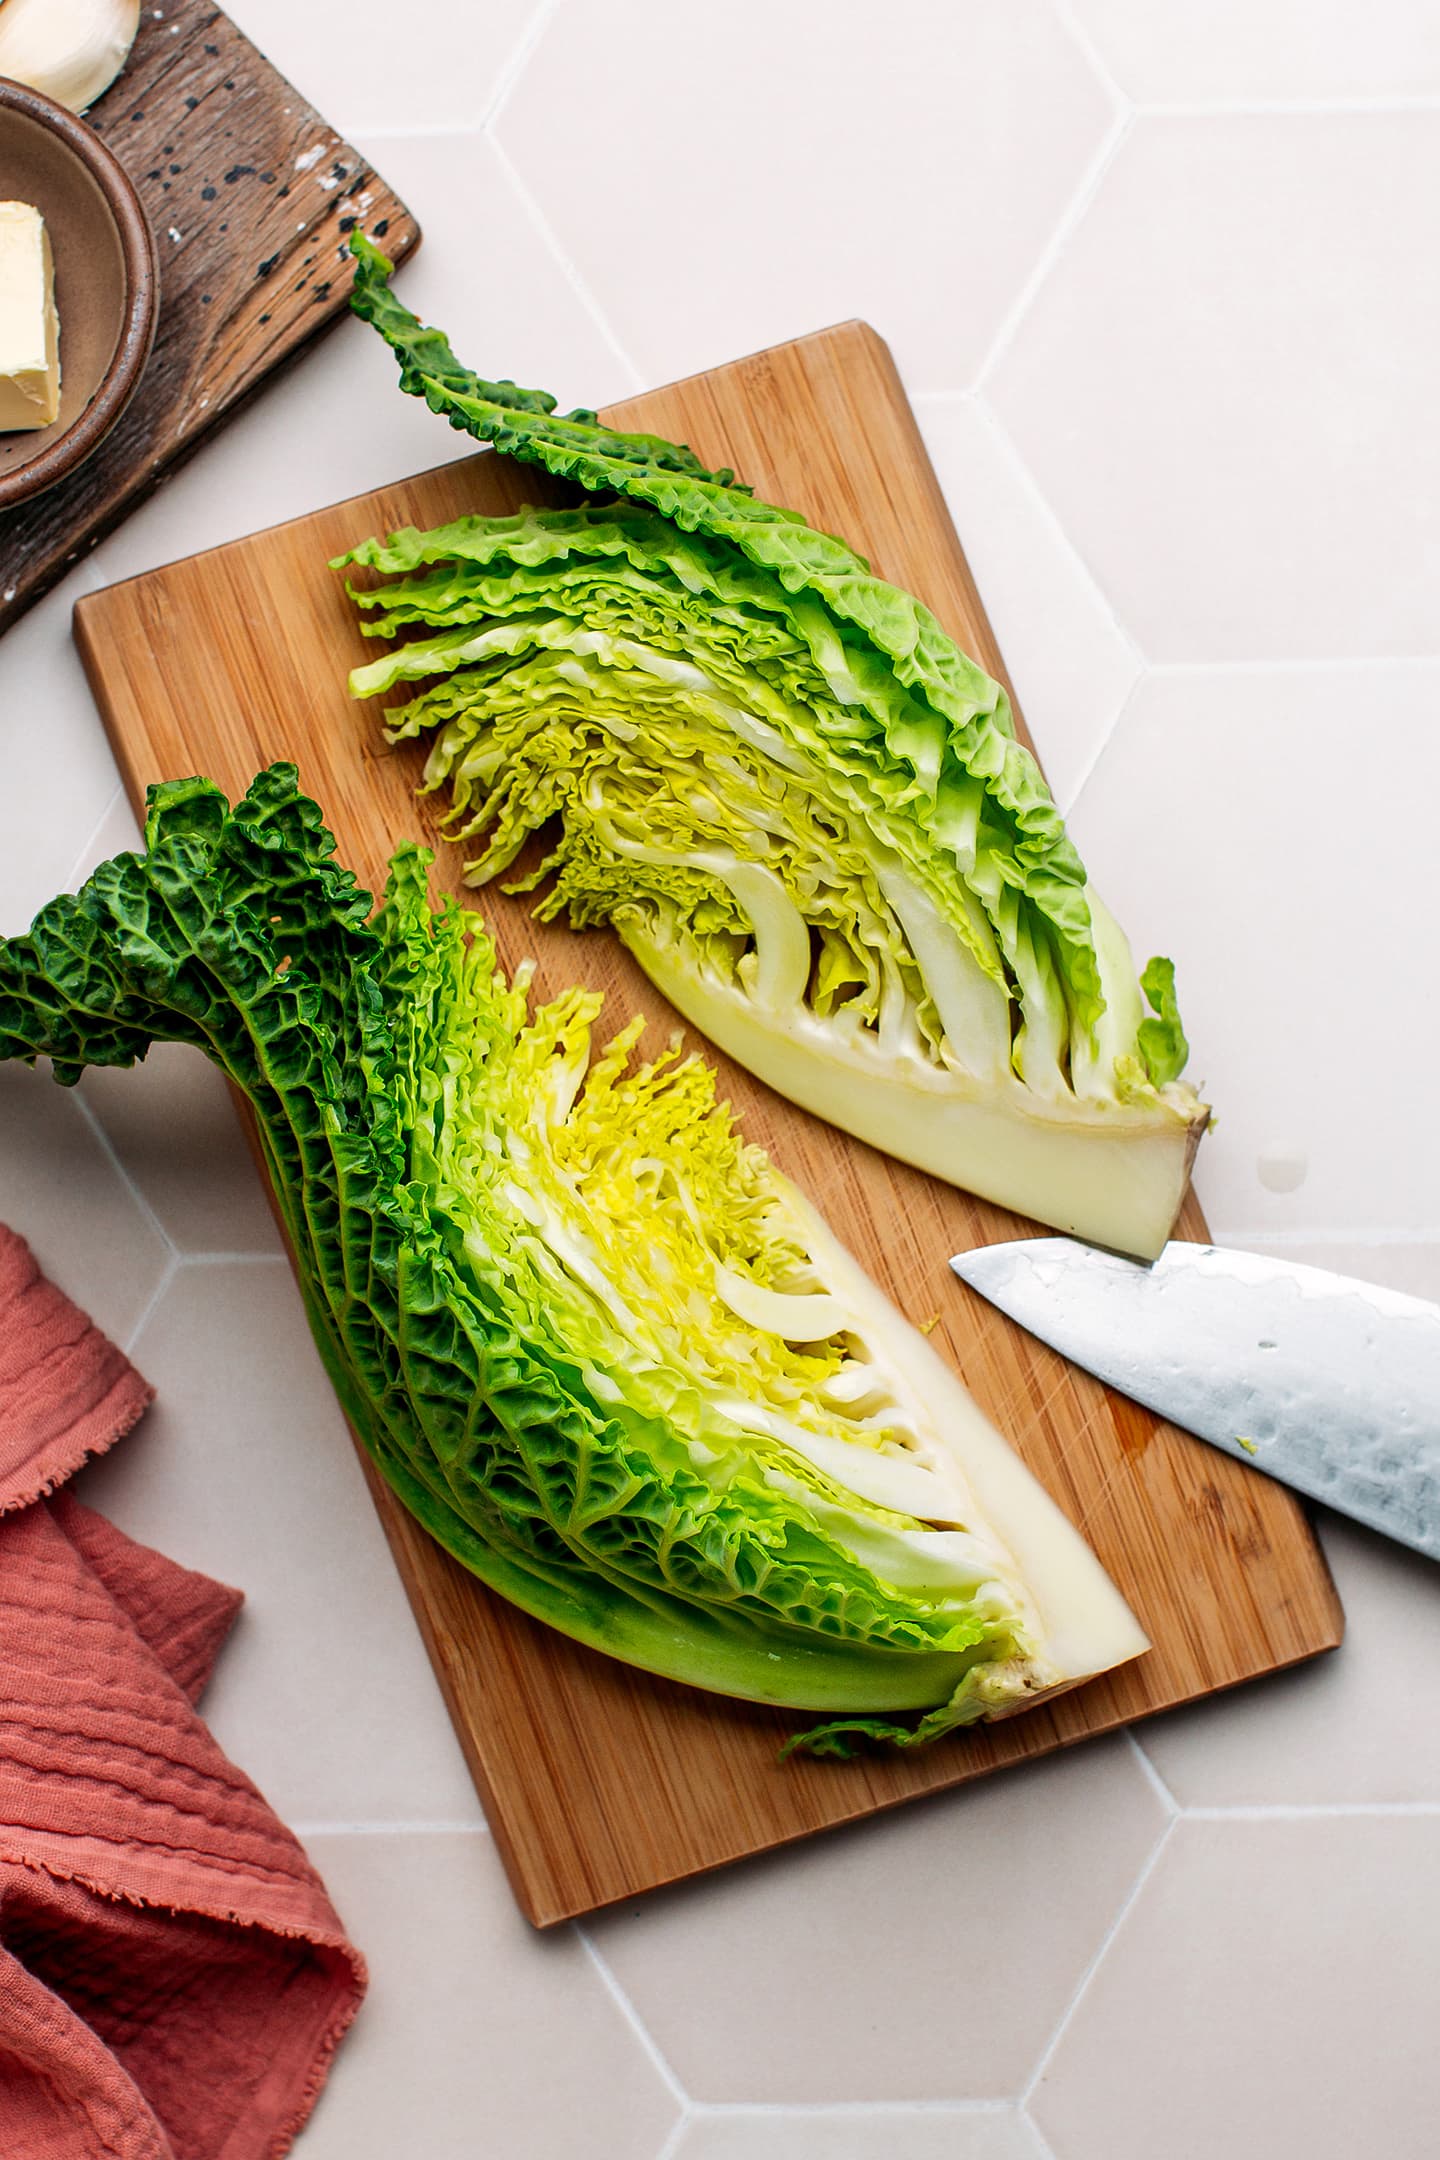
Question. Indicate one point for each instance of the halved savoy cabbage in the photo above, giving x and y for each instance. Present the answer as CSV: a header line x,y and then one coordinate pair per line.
x,y
795,799
604,1352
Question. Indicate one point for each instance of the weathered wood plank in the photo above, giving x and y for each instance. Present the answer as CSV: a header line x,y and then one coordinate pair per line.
x,y
250,194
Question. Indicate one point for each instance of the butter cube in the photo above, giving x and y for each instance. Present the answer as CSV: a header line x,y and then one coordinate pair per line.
x,y
29,326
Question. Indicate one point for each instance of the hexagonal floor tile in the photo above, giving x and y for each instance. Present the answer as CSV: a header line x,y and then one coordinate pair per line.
x,y
1235,49
59,776
1244,823
1360,1725
478,2035
469,48
1271,1991
845,1968
339,403
244,1468
1240,439
173,1125
61,1191
463,193
821,172
118,833
1071,666
917,2133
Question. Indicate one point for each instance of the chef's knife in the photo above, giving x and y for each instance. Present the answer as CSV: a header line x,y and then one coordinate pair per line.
x,y
1330,1385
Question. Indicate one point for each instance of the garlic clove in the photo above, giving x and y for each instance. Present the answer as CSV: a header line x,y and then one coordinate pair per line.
x,y
71,50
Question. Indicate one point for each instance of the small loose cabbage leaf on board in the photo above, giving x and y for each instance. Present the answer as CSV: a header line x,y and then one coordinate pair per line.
x,y
799,804
602,1350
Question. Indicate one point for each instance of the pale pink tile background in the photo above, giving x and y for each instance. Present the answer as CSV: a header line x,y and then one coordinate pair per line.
x,y
1164,282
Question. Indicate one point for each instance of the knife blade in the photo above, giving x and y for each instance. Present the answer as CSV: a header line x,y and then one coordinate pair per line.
x,y
1329,1384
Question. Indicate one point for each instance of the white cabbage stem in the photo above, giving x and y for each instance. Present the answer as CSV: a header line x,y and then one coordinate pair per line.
x,y
70,50
1096,1167
1076,1622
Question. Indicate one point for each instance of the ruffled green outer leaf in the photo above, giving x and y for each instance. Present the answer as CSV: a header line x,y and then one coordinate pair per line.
x,y
795,799
1162,1038
972,723
535,1278
426,359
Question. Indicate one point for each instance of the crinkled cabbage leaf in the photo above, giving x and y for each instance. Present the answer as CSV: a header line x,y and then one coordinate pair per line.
x,y
603,1351
797,801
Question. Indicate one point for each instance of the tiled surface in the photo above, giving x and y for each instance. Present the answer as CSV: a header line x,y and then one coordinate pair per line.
x,y
1215,823
1357,1728
1246,448
354,67
1257,1959
835,159
919,2133
171,1122
479,2036
61,1188
1237,51
1037,1865
57,778
244,1468
1078,673
1163,280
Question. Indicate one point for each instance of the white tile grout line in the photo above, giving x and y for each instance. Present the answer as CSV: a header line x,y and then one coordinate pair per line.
x,y
1207,108
82,853
1096,1961
515,66
543,15
564,262
1123,115
510,73
1332,1811
1022,466
848,2110
675,2134
1070,217
1298,108
1317,1811
1151,1775
1044,2150
1010,451
167,1276
109,1151
1092,765
1099,65
1308,664
413,131
636,2023
484,127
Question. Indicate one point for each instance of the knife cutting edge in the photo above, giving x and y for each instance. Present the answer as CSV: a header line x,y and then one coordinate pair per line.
x,y
1329,1384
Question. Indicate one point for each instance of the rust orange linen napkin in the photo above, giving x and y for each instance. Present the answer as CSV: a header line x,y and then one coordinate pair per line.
x,y
173,1979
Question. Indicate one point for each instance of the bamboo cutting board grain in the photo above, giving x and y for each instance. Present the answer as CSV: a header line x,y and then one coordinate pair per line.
x,y
600,1781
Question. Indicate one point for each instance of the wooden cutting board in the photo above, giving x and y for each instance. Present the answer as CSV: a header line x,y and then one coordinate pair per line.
x,y
600,1781
250,196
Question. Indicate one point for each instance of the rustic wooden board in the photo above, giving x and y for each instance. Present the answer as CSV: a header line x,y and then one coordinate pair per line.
x,y
250,195
600,1781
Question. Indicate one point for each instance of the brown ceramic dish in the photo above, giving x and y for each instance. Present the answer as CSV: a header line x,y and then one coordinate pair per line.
x,y
107,282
